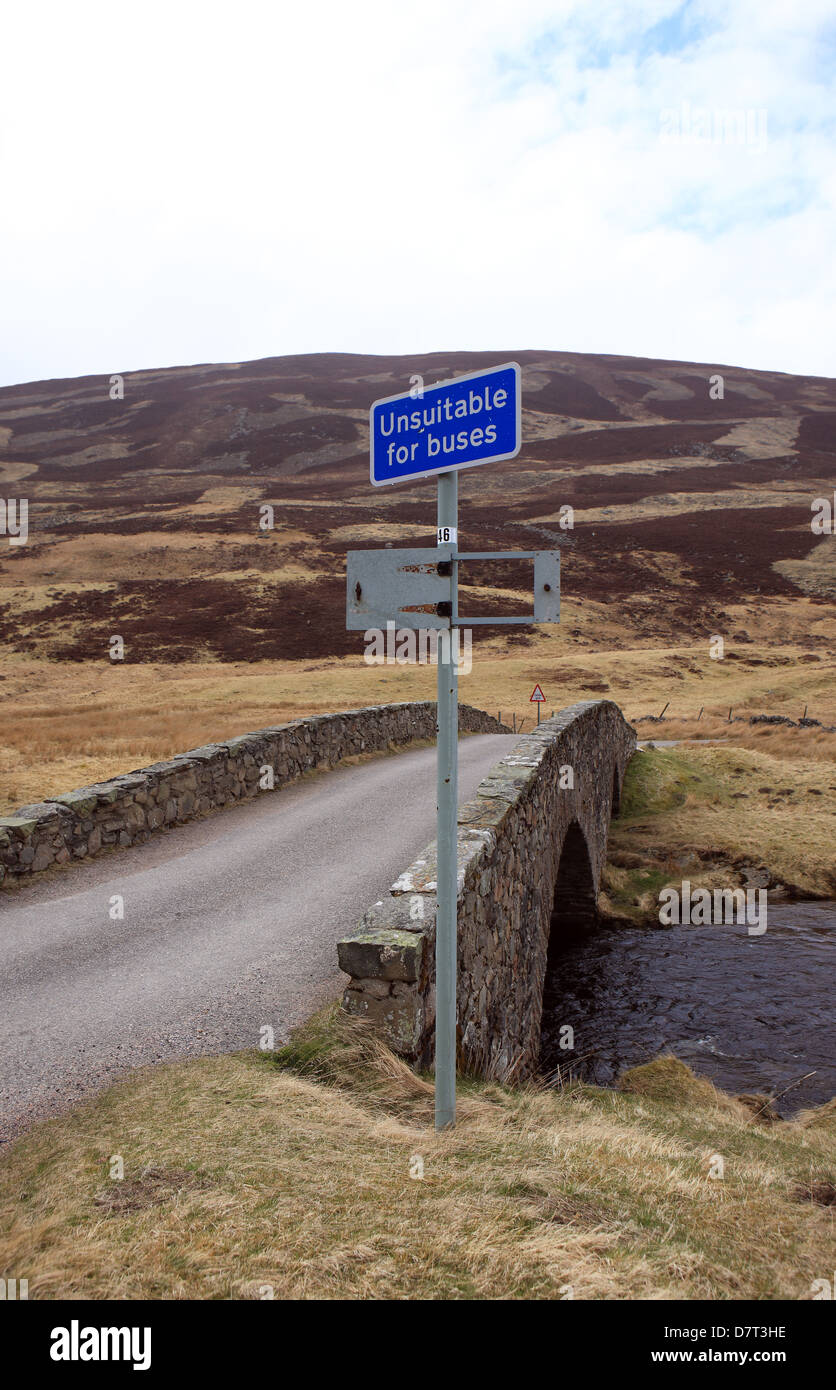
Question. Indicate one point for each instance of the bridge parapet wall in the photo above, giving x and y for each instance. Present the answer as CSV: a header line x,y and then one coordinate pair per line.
x,y
127,810
511,839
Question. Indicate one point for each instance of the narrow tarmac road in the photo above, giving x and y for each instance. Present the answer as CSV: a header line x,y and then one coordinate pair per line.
x,y
230,923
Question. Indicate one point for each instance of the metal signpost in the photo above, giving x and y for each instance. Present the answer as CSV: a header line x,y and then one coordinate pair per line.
x,y
436,431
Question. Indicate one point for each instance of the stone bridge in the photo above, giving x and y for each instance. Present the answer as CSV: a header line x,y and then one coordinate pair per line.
x,y
531,849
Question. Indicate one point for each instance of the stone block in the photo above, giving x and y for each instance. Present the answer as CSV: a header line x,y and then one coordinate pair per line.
x,y
43,857
401,1020
383,955
82,802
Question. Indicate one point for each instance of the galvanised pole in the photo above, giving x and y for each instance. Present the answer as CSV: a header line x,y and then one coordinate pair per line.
x,y
447,748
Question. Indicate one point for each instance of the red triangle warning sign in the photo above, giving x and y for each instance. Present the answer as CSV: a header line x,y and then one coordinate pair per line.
x,y
536,695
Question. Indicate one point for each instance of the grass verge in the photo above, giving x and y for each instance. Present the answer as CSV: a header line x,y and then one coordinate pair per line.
x,y
296,1172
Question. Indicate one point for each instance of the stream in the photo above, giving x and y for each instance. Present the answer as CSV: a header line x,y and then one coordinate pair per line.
x,y
751,1013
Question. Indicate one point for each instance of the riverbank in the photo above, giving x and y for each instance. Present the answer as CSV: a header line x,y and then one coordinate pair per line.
x,y
759,813
315,1172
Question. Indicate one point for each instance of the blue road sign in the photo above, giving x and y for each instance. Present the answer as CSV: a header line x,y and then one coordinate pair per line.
x,y
454,424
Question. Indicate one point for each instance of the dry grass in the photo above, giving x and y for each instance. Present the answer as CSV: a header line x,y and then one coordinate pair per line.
x,y
778,740
663,505
293,1173
65,725
714,814
816,574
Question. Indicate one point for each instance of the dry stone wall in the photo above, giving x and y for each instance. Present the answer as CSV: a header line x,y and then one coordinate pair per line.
x,y
531,849
127,810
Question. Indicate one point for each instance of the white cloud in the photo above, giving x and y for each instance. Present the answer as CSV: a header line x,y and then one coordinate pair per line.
x,y
201,182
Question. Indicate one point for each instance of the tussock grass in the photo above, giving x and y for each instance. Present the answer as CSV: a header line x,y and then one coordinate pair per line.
x,y
780,740
717,815
293,1171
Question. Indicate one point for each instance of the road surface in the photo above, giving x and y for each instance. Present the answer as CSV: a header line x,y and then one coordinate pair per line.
x,y
230,924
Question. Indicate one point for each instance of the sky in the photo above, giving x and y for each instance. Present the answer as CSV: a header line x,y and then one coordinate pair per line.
x,y
204,182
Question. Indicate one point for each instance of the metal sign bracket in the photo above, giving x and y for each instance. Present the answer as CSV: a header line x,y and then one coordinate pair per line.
x,y
419,588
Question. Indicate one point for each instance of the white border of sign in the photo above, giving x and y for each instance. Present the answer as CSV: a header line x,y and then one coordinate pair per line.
x,y
446,467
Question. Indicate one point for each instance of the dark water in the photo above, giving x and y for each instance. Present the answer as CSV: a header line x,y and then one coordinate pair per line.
x,y
751,1013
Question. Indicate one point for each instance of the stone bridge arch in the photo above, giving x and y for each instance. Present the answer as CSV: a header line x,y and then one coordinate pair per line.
x,y
532,846
574,912
575,899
